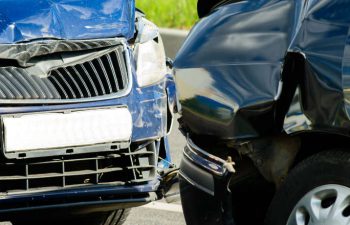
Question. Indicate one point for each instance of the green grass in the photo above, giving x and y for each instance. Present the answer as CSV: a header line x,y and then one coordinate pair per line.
x,y
180,14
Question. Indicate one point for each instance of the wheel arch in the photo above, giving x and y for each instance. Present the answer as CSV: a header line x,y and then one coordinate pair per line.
x,y
313,142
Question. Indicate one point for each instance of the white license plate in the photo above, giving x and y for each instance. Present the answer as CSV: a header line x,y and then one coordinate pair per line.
x,y
60,130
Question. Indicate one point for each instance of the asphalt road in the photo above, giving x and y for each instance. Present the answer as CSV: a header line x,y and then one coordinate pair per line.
x,y
161,213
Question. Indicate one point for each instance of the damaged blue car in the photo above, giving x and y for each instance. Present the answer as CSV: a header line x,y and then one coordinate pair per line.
x,y
86,102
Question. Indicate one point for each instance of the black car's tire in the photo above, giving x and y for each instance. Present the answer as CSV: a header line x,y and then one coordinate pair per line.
x,y
117,217
315,176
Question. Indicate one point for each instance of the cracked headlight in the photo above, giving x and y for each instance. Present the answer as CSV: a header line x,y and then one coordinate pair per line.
x,y
150,54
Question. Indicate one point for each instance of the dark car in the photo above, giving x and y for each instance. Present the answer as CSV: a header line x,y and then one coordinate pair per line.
x,y
86,103
264,85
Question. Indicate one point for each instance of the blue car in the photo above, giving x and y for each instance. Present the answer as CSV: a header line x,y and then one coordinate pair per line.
x,y
86,102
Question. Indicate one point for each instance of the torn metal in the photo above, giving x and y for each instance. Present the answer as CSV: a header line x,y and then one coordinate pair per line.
x,y
241,65
272,156
23,52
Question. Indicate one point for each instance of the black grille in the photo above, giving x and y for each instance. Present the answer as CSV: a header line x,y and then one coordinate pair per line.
x,y
121,167
93,78
104,75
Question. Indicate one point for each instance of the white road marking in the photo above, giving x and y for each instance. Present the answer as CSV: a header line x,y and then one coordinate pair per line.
x,y
164,207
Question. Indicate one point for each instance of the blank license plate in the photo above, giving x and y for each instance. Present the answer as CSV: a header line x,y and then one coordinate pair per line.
x,y
60,130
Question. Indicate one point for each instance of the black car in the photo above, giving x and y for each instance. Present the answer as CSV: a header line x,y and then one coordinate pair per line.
x,y
265,103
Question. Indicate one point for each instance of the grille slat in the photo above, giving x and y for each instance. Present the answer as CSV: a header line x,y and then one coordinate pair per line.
x,y
60,89
72,78
81,80
122,81
11,87
119,58
111,66
53,91
97,76
6,91
2,94
26,84
45,89
36,88
104,75
16,82
65,84
92,83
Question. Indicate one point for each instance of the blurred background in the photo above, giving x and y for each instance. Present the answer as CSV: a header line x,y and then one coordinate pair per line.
x,y
179,14
174,17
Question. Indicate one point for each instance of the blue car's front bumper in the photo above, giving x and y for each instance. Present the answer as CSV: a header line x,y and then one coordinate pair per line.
x,y
78,199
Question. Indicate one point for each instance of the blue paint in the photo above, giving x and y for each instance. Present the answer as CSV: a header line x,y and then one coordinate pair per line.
x,y
26,20
78,193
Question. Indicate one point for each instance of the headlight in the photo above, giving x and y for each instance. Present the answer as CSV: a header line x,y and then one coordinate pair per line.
x,y
150,55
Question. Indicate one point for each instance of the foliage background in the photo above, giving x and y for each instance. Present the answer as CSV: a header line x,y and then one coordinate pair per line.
x,y
181,14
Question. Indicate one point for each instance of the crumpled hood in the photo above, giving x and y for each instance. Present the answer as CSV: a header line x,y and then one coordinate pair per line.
x,y
27,20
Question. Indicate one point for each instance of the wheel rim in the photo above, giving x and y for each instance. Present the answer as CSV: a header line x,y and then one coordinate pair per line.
x,y
325,205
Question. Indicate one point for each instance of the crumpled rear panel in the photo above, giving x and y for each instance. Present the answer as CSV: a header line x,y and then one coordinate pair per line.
x,y
65,19
229,70
321,102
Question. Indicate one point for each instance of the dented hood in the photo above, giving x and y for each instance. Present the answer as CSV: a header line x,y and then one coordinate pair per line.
x,y
28,20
